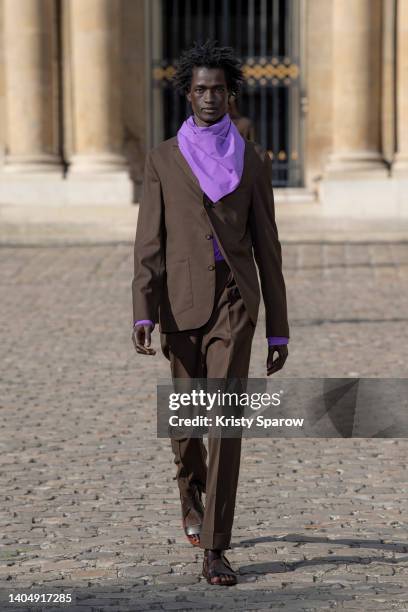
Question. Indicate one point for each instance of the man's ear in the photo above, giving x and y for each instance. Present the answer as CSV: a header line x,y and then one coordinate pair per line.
x,y
188,96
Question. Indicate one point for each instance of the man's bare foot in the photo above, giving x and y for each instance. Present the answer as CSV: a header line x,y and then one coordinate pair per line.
x,y
216,568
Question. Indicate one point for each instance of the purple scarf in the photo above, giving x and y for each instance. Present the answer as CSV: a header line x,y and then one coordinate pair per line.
x,y
215,155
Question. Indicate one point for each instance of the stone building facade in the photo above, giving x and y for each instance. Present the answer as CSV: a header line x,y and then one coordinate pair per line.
x,y
78,106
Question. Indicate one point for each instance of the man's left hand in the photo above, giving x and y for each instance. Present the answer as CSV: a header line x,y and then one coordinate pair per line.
x,y
273,366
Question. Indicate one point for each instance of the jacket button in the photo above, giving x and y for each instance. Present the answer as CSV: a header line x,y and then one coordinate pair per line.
x,y
211,267
208,236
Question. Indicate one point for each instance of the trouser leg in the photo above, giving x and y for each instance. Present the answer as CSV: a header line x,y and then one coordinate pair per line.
x,y
184,350
227,348
186,363
219,350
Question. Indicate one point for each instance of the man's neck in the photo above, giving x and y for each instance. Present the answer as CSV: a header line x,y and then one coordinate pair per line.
x,y
200,123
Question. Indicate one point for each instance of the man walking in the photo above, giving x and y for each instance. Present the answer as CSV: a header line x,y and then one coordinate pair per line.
x,y
207,210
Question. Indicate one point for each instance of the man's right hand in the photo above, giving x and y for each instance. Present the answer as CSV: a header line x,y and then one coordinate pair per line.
x,y
142,339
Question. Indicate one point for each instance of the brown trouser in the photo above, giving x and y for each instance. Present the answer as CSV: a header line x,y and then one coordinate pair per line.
x,y
219,349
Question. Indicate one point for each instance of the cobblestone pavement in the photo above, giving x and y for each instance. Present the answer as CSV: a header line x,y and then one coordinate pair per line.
x,y
320,524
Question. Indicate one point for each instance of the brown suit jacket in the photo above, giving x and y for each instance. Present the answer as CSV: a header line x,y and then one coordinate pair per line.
x,y
174,277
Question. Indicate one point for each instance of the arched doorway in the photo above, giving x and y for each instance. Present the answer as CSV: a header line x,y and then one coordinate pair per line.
x,y
266,35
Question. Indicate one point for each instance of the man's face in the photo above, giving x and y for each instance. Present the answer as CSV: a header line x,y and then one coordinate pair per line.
x,y
208,95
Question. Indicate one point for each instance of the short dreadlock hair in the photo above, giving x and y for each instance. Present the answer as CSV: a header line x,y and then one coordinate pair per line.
x,y
208,55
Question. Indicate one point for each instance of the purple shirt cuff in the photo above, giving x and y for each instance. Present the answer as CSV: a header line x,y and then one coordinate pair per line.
x,y
277,340
143,322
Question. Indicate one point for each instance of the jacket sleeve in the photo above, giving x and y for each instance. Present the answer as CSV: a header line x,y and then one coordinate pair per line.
x,y
267,252
149,248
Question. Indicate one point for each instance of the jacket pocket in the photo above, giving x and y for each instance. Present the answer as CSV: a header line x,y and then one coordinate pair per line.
x,y
179,285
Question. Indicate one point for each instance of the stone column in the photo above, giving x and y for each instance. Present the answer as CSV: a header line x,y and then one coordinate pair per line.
x,y
388,81
31,87
319,86
2,94
400,166
356,145
134,36
97,135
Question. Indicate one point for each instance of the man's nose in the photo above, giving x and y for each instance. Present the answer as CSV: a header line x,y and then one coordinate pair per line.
x,y
208,96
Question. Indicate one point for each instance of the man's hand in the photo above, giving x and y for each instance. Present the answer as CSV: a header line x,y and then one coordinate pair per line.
x,y
273,366
142,339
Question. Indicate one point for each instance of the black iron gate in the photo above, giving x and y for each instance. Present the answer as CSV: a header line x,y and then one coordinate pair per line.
x,y
266,36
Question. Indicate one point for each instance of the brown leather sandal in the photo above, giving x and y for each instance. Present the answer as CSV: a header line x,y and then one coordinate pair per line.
x,y
192,506
218,567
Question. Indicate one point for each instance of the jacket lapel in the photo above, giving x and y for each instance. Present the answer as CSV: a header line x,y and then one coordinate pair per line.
x,y
181,161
